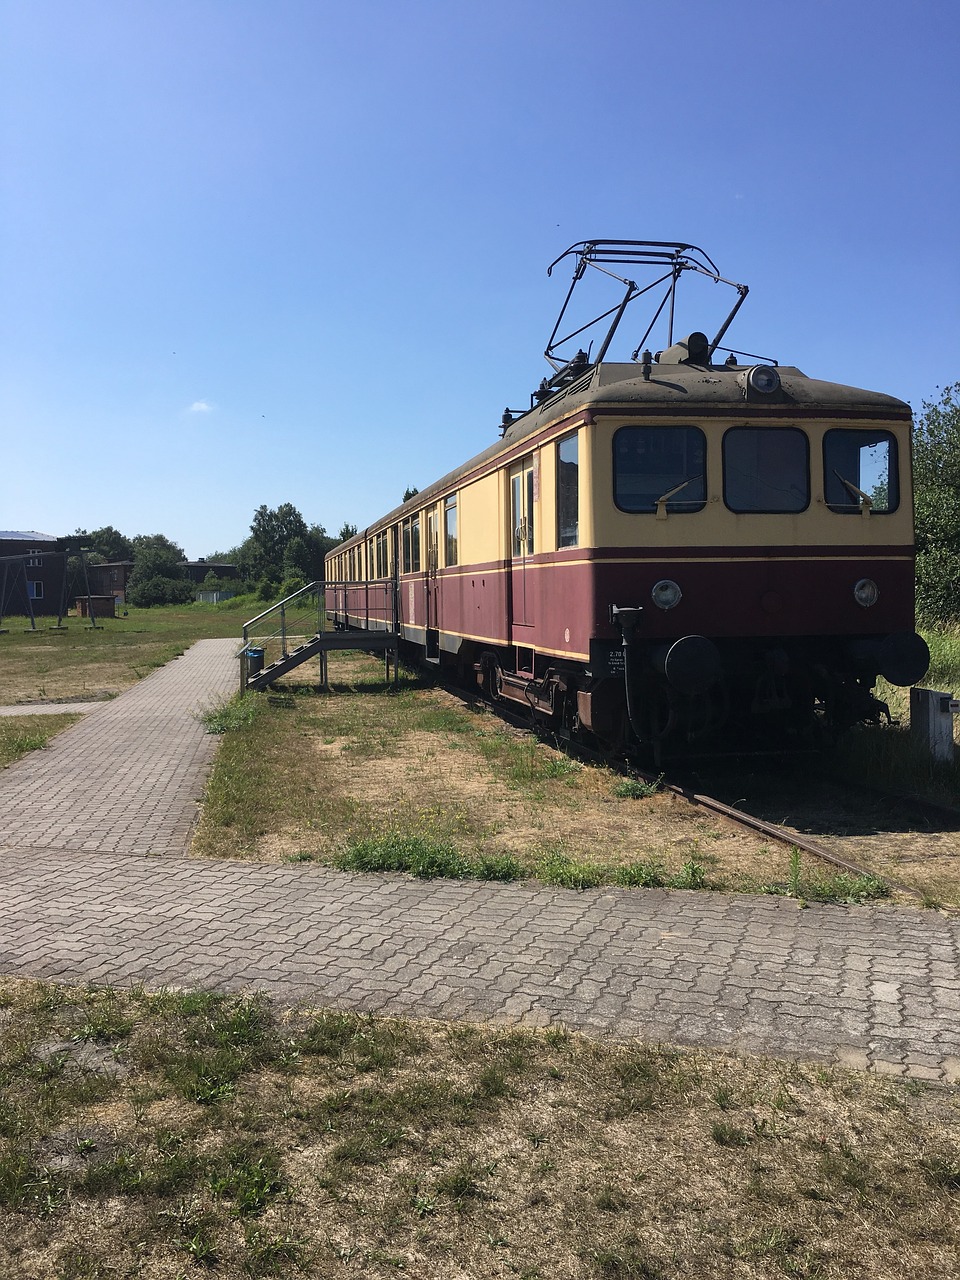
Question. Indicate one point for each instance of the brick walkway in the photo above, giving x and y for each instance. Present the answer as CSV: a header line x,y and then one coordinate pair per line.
x,y
83,901
128,777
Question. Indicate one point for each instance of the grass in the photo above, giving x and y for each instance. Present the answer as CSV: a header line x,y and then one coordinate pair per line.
x,y
19,735
426,859
418,783
887,754
83,663
809,885
350,1145
227,717
637,788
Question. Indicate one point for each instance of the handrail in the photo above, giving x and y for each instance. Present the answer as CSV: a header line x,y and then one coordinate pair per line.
x,y
384,613
286,600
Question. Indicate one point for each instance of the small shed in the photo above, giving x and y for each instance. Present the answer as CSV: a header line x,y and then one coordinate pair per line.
x,y
96,606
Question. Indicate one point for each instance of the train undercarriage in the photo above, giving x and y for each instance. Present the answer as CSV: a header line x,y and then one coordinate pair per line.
x,y
697,697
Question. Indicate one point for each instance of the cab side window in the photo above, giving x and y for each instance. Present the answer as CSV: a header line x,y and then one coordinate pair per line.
x,y
568,492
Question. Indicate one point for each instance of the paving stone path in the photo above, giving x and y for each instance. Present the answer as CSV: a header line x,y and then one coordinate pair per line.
x,y
96,887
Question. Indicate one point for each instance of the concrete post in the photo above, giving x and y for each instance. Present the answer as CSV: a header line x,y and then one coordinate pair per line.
x,y
931,721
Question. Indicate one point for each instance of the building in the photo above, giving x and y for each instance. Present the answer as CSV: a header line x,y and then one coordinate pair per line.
x,y
110,579
197,570
33,572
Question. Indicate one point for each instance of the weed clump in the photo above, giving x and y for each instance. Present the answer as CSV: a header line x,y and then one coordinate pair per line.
x,y
240,712
424,858
637,788
842,888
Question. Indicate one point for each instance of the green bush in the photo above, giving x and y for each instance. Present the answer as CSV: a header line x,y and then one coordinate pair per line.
x,y
936,448
159,591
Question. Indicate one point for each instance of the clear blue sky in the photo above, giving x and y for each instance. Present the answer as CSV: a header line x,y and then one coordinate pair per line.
x,y
295,251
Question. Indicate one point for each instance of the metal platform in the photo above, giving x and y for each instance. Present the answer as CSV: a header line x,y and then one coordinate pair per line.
x,y
333,629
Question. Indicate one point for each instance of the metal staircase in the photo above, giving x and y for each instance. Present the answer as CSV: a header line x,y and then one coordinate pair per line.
x,y
313,621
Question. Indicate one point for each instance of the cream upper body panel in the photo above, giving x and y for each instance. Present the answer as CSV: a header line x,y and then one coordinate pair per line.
x,y
716,524
712,398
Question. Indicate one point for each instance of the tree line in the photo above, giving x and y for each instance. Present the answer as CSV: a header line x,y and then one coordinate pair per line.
x,y
281,554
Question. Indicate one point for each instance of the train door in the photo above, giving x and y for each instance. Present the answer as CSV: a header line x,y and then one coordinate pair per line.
x,y
432,587
522,494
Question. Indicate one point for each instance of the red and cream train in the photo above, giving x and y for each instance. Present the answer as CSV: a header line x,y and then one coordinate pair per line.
x,y
666,553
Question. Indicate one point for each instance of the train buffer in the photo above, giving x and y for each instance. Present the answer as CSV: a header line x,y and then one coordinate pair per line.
x,y
316,620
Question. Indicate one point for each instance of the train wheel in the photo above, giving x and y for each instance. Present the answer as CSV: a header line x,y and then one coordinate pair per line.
x,y
492,678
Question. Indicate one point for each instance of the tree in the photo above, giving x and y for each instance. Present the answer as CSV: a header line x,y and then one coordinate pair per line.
x,y
347,531
936,478
157,576
271,532
251,562
319,543
297,560
110,543
409,493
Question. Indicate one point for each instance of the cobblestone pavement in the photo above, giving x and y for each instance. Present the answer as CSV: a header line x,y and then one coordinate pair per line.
x,y
127,778
867,987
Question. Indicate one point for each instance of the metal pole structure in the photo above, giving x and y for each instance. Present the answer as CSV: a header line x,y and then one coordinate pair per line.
x,y
26,588
283,630
396,608
62,613
86,583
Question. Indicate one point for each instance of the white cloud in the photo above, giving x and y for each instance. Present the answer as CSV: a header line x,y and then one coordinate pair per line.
x,y
200,406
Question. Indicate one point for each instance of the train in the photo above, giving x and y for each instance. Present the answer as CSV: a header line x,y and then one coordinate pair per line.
x,y
689,551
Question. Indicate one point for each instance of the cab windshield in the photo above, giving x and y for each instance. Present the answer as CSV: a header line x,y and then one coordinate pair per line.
x,y
651,464
860,467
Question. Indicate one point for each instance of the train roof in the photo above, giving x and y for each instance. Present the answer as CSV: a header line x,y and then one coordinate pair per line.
x,y
684,390
681,382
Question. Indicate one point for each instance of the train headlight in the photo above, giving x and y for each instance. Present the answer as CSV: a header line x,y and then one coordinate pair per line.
x,y
764,378
759,380
666,594
866,593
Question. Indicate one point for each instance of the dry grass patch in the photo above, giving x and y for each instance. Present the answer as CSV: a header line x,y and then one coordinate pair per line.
x,y
85,663
251,1140
316,774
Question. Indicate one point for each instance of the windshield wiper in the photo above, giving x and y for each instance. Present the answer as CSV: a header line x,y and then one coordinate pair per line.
x,y
665,497
866,502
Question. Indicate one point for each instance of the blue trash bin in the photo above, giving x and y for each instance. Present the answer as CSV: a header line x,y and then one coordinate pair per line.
x,y
254,662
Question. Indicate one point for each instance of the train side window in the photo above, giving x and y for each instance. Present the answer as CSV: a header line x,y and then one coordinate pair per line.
x,y
450,529
766,469
415,544
650,463
407,561
860,462
568,492
433,548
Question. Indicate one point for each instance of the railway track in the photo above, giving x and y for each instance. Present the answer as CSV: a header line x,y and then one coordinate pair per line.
x,y
804,793
790,835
